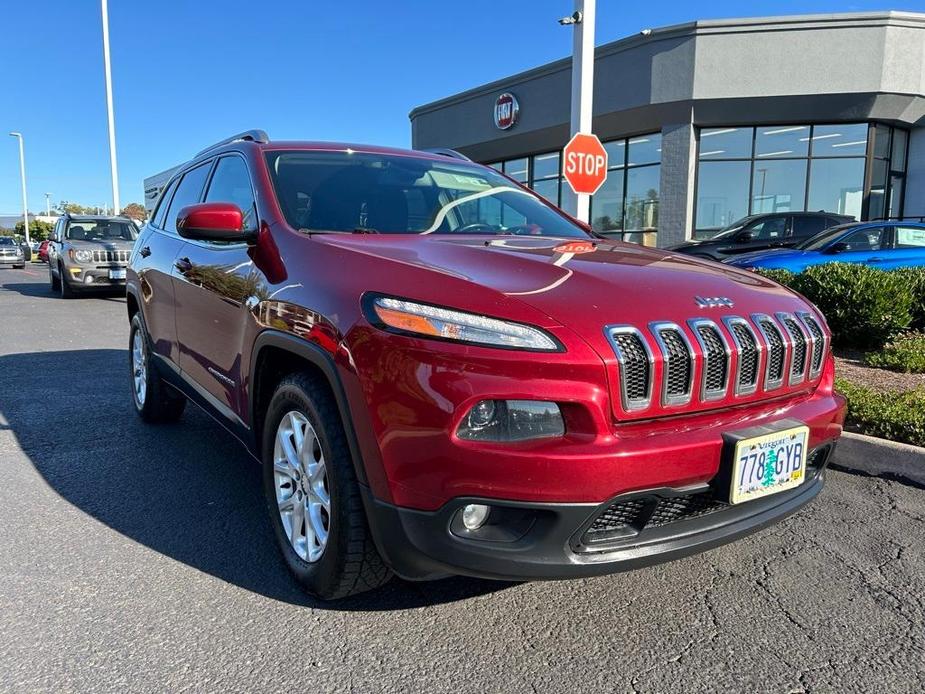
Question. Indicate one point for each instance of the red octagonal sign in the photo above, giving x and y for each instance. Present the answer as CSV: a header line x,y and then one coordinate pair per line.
x,y
584,163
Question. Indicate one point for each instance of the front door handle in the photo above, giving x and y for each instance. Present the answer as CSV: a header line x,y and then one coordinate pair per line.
x,y
183,264
145,252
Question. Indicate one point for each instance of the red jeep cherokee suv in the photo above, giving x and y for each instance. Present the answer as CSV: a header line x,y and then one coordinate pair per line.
x,y
441,373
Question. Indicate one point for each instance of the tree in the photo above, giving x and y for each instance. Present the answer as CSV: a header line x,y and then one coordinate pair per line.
x,y
38,230
135,211
74,208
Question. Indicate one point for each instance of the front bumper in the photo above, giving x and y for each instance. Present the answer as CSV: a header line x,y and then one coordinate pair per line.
x,y
12,260
532,541
95,277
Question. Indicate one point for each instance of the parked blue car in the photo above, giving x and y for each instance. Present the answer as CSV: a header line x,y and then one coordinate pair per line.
x,y
884,245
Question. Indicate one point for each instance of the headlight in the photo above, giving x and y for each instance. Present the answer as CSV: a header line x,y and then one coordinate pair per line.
x,y
448,324
18,252
81,256
511,420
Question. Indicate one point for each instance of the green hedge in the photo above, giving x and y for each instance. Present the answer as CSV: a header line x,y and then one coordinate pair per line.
x,y
915,277
864,307
889,415
905,353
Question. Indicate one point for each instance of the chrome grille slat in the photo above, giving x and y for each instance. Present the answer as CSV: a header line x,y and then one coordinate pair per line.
x,y
635,364
677,363
776,350
714,379
107,256
748,350
798,348
818,343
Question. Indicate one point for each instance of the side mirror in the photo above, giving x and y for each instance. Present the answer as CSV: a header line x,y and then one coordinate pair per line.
x,y
745,236
837,247
212,221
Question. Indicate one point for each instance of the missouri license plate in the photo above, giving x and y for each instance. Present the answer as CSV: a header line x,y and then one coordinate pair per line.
x,y
117,274
769,464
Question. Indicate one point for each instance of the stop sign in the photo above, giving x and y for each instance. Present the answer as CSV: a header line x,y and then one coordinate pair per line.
x,y
584,163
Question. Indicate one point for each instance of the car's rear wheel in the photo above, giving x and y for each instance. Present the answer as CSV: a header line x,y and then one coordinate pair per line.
x,y
312,493
154,400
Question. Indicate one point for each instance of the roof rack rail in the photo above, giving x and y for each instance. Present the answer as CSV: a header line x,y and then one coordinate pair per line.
x,y
912,218
446,152
248,135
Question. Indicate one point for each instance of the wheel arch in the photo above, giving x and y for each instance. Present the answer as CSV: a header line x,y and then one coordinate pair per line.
x,y
277,354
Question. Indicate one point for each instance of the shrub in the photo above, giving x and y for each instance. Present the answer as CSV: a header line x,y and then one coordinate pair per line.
x,y
784,277
863,306
894,416
905,352
915,277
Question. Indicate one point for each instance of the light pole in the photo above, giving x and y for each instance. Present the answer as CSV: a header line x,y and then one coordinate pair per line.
x,y
583,20
22,174
112,125
48,204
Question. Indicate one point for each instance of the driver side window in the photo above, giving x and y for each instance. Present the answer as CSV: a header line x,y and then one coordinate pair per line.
x,y
231,182
864,239
768,229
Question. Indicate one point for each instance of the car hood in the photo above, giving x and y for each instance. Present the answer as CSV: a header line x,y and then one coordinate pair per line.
x,y
583,285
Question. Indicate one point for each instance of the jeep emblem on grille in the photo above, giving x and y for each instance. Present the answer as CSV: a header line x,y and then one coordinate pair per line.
x,y
713,301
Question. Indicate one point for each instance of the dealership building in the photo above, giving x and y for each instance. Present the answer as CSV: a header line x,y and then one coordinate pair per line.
x,y
710,121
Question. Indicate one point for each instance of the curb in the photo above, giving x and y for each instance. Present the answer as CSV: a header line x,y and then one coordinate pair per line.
x,y
880,458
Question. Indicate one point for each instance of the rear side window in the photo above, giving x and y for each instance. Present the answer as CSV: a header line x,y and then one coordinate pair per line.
x,y
161,213
808,226
866,239
232,183
189,191
910,237
768,229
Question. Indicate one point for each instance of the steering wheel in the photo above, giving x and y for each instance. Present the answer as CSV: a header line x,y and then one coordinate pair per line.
x,y
474,227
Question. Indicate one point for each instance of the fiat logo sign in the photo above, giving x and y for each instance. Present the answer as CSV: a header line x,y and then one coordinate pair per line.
x,y
506,111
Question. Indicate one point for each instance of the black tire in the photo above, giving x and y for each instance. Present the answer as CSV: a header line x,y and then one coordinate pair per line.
x,y
64,287
161,403
349,563
55,282
19,267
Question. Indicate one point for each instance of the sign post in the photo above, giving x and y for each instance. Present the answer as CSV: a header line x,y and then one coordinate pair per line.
x,y
583,84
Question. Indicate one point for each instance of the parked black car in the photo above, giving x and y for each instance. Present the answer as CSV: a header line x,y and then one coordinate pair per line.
x,y
762,231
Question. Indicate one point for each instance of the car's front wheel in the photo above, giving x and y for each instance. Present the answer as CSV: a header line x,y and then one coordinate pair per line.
x,y
154,400
54,281
312,494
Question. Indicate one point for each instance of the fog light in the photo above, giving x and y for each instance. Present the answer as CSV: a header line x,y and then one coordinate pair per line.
x,y
475,515
88,279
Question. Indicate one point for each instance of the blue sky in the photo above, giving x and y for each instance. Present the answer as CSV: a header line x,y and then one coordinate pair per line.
x,y
188,73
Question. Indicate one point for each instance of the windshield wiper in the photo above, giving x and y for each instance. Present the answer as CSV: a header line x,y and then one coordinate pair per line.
x,y
365,230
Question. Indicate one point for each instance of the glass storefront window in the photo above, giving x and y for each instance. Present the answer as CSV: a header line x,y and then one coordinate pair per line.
x,y
546,165
881,141
726,143
840,140
517,169
837,185
497,166
722,193
568,201
900,142
548,188
616,154
778,186
784,141
642,186
607,204
643,150
876,208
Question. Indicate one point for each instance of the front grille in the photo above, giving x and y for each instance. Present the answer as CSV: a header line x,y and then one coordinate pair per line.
x,y
110,256
716,362
798,361
818,343
678,365
635,367
775,367
747,371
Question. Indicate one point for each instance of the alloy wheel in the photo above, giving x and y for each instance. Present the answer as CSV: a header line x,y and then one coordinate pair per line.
x,y
139,368
301,482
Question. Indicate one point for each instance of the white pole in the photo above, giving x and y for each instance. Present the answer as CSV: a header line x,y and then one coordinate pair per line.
x,y
22,175
112,125
583,82
48,204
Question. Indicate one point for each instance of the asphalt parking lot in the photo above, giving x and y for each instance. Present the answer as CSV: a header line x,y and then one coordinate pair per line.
x,y
136,558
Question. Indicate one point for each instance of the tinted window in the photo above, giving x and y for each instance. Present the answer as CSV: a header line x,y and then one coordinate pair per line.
x,y
868,239
768,229
837,185
726,143
807,226
840,140
189,191
910,237
779,186
786,141
232,183
722,193
100,230
162,206
645,150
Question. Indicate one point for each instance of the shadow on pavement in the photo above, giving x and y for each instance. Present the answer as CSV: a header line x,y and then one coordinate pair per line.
x,y
188,490
43,289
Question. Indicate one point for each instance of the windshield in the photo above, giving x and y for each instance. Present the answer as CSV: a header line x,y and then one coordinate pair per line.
x,y
378,193
7,241
100,230
733,228
821,239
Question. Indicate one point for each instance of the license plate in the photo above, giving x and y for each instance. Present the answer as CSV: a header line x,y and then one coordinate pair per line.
x,y
117,274
769,464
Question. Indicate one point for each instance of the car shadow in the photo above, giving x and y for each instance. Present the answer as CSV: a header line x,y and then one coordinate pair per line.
x,y
43,290
186,490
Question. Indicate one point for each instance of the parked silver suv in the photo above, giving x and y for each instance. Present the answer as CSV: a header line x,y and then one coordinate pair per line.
x,y
89,252
11,252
